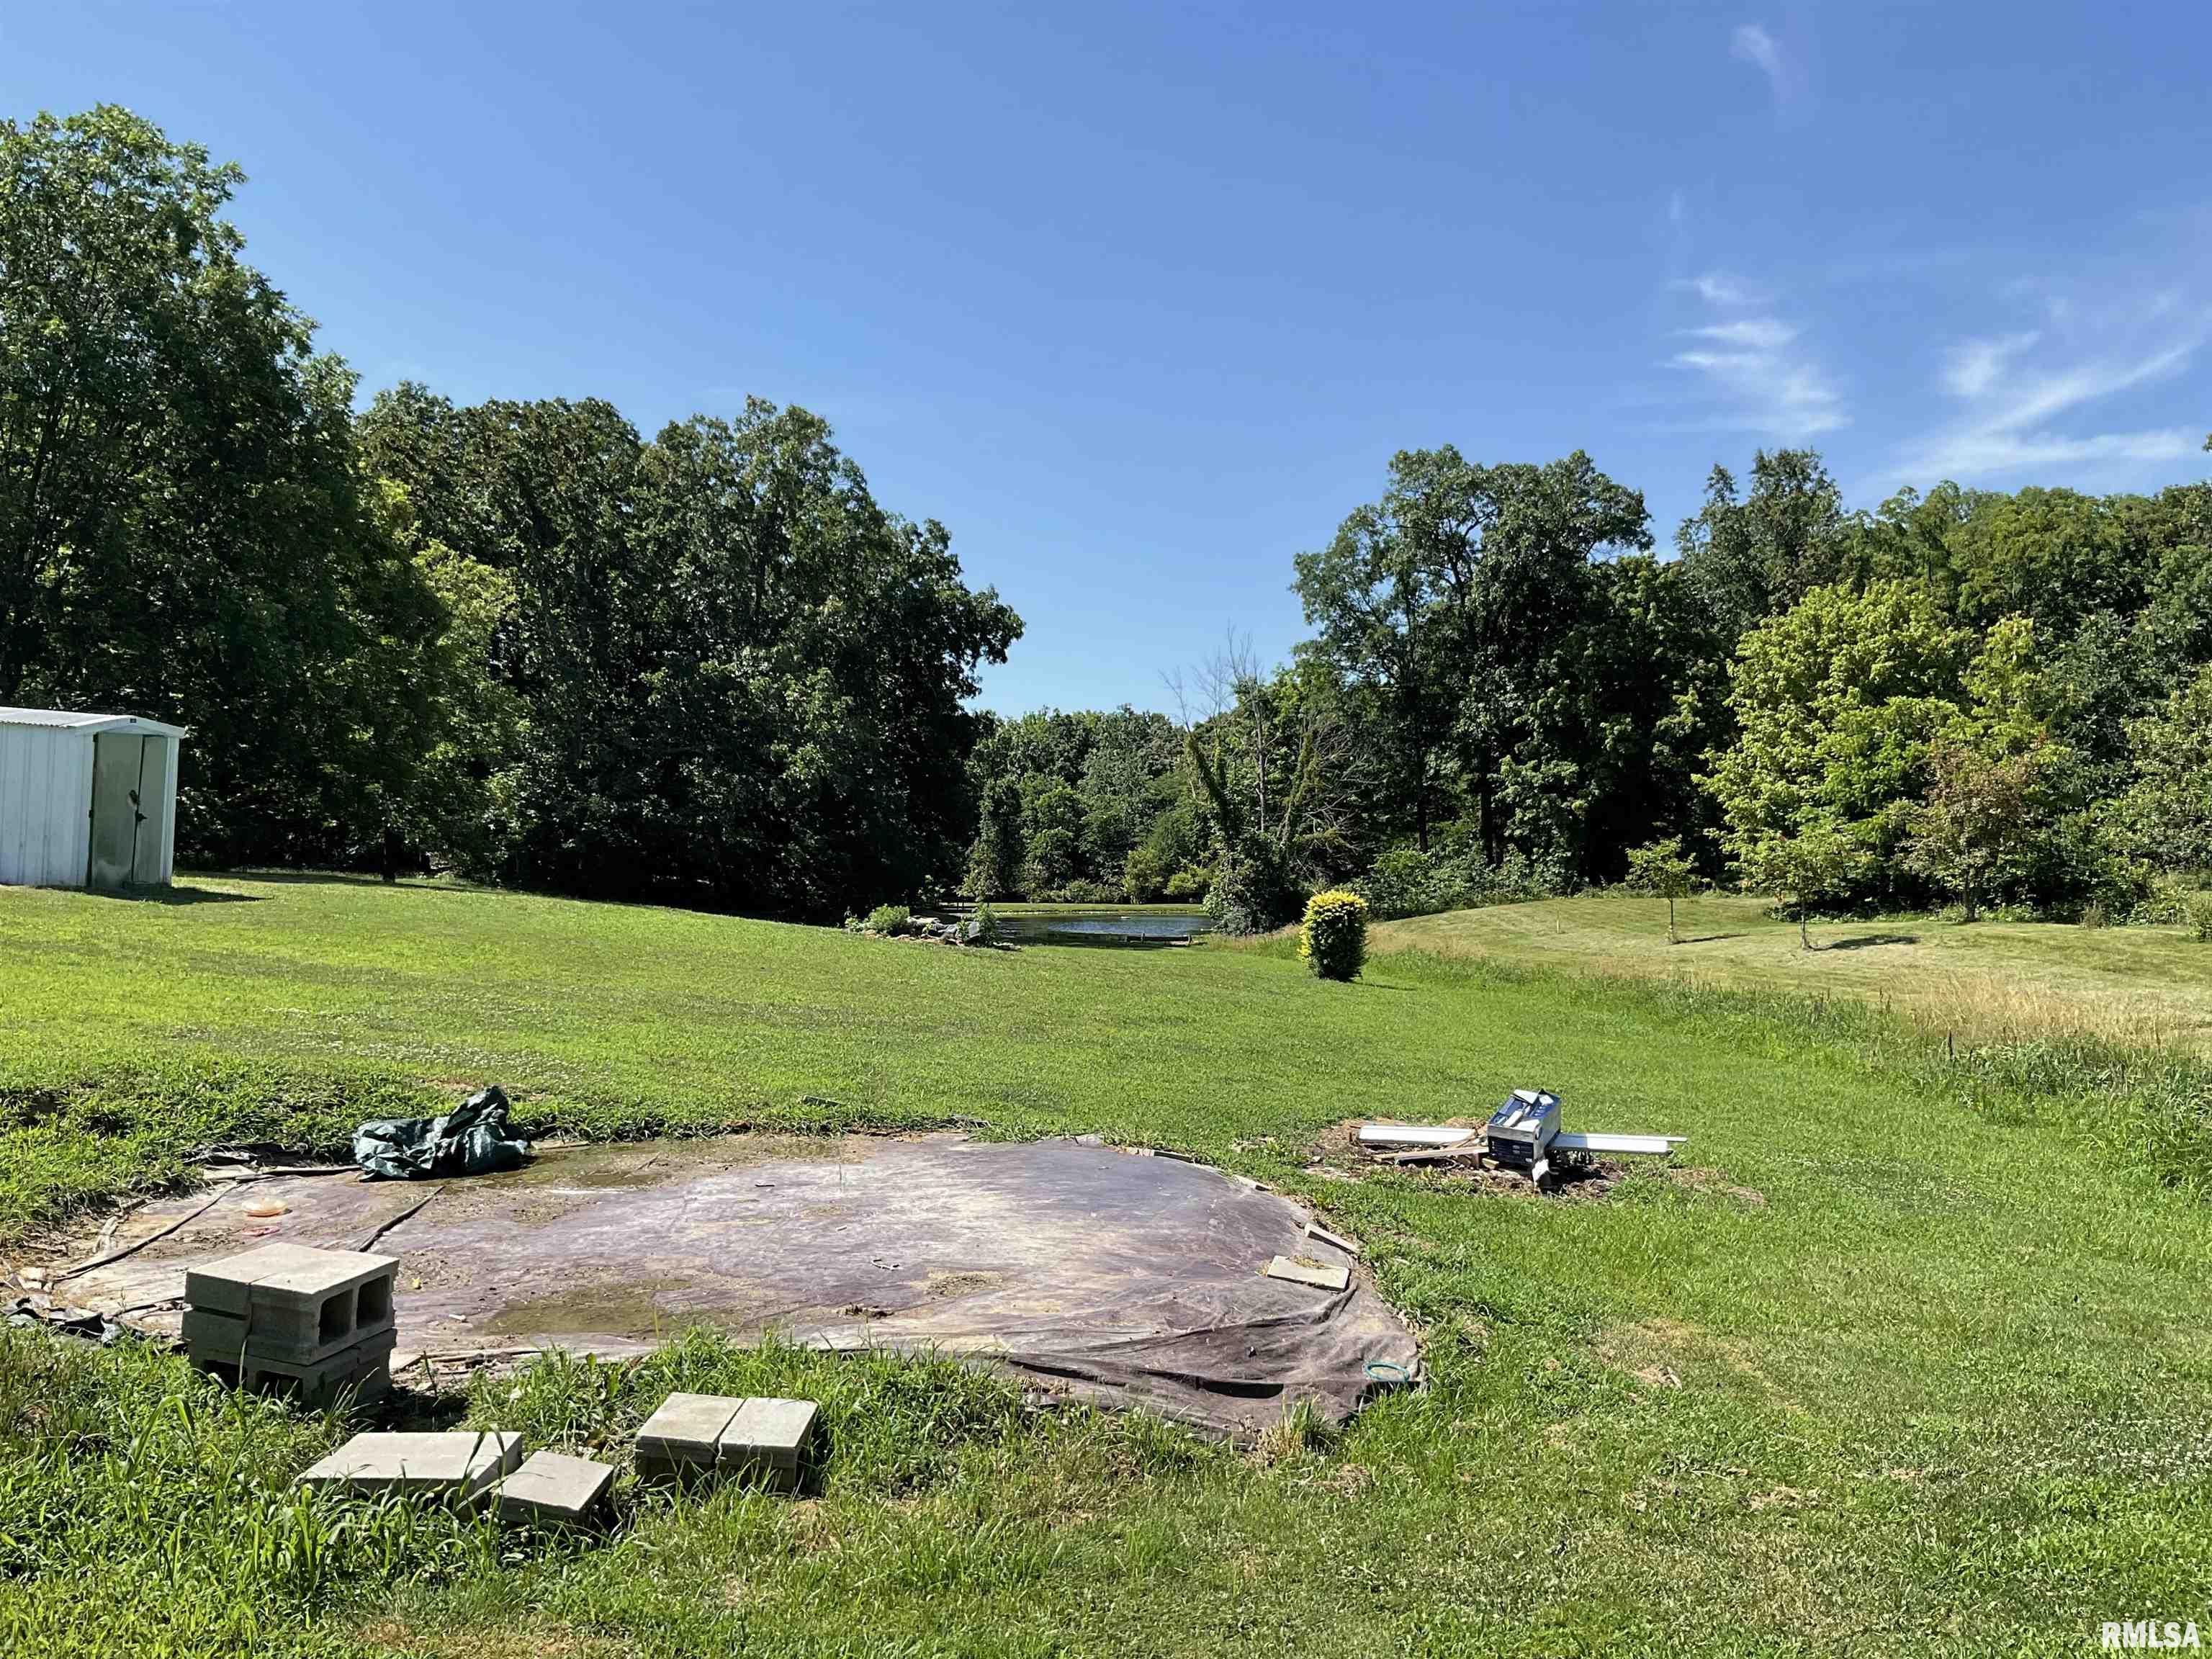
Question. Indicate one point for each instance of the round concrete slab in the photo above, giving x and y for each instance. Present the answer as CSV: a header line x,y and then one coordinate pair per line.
x,y
1125,1277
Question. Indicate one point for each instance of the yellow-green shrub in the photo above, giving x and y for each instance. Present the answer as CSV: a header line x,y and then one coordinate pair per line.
x,y
1334,936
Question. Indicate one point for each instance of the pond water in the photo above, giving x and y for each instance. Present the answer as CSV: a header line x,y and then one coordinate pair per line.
x,y
1096,927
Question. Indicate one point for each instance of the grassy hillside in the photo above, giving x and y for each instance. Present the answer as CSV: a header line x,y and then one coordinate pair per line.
x,y
1989,980
1902,1360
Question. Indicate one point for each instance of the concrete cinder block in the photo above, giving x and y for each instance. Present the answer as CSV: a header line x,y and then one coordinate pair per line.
x,y
460,1466
360,1371
270,1333
224,1286
298,1303
684,1433
552,1487
768,1440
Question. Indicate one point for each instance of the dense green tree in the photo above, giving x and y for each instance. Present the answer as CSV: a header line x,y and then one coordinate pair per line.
x,y
994,858
1446,608
1836,702
470,723
1120,766
1173,852
1052,834
183,528
1978,831
1256,887
1624,706
2053,555
743,682
2165,817
1750,555
2175,629
1128,781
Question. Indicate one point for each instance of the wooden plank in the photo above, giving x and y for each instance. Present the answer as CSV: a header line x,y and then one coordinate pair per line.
x,y
1648,1146
1315,1230
1441,1154
1410,1135
1309,1272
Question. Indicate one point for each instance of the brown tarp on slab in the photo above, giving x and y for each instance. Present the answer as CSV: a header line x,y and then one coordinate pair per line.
x,y
1127,1280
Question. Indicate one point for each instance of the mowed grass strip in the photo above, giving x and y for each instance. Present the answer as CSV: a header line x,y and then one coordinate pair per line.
x,y
1986,980
1875,1372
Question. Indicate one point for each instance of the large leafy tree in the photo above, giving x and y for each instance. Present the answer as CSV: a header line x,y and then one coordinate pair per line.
x,y
1112,774
1836,702
2055,556
740,681
1444,609
1622,708
1128,781
1978,831
2165,817
1752,553
184,531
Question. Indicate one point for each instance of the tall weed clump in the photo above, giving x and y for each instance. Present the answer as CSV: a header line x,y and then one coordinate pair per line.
x,y
1333,939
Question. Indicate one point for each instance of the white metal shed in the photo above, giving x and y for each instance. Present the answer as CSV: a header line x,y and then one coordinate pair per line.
x,y
86,801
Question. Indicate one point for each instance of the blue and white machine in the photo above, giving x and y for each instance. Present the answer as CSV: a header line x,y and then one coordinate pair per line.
x,y
1522,1134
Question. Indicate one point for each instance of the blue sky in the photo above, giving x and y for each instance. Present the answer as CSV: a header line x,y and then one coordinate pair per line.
x,y
1140,300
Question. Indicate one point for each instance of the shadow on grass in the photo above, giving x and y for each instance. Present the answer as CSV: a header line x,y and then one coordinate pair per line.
x,y
1863,941
173,896
412,882
1710,938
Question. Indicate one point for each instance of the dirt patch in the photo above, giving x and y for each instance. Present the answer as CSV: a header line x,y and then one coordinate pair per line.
x,y
624,1309
604,1166
961,1284
1351,1480
1783,1498
423,1269
1713,1182
1338,1156
1669,1354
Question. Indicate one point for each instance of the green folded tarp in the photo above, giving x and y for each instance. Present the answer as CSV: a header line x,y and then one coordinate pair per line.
x,y
473,1139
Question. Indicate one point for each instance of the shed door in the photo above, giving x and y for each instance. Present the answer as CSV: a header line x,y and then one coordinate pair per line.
x,y
117,758
154,784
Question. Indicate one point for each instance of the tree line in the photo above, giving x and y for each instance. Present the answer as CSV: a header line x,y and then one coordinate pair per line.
x,y
523,642
518,639
1982,698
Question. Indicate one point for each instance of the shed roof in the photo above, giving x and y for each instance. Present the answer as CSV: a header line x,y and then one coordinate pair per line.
x,y
94,723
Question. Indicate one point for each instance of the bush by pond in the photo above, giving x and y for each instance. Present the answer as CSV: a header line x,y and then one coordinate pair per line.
x,y
1333,939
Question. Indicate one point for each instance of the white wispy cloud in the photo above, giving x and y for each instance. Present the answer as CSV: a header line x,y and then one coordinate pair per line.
x,y
1974,366
1717,287
1754,373
1759,333
1754,44
1979,454
2017,390
1751,43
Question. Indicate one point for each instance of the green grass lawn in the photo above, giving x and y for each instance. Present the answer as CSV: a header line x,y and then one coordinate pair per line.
x,y
1902,1362
1991,980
